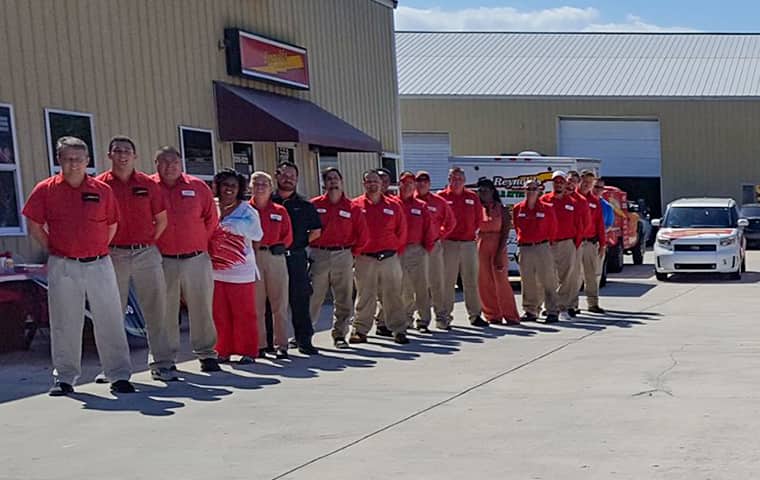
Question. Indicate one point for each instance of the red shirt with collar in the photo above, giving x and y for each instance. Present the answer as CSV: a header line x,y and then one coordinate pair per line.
x,y
140,200
442,217
343,223
468,211
568,221
534,225
78,219
385,222
276,224
581,207
418,226
595,227
192,215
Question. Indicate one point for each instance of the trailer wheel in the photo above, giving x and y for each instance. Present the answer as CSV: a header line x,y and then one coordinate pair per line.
x,y
639,249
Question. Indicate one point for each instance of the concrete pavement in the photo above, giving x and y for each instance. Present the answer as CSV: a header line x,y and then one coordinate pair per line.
x,y
664,386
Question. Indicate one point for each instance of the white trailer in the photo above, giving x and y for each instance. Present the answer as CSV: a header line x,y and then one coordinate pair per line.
x,y
509,174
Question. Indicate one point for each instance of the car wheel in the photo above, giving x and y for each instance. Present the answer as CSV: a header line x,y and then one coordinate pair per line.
x,y
744,265
662,277
603,280
615,256
735,276
639,249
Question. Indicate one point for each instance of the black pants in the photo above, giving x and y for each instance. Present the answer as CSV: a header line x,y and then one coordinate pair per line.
x,y
300,292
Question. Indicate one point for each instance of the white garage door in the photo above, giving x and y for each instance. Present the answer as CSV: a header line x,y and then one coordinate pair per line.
x,y
427,151
627,148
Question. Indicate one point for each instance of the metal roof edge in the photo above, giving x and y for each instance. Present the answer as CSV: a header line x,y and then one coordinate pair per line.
x,y
573,97
510,32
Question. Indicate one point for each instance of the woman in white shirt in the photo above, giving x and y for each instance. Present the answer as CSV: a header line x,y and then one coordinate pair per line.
x,y
235,271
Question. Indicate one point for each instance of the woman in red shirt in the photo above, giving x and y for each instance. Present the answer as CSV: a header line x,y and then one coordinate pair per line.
x,y
493,278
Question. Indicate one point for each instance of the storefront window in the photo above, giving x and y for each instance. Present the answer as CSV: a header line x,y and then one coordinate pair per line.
x,y
391,164
62,123
197,147
10,180
242,158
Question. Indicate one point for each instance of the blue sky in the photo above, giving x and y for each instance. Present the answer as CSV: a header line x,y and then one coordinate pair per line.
x,y
599,15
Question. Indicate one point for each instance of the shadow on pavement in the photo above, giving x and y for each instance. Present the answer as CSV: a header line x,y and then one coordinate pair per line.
x,y
625,289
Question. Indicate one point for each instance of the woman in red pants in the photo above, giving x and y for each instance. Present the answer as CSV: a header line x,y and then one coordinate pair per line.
x,y
235,271
496,294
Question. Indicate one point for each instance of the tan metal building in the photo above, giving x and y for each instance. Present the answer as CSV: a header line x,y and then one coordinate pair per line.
x,y
669,115
315,82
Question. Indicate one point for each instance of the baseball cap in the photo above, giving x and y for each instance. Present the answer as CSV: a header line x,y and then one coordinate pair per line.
x,y
422,175
559,173
406,174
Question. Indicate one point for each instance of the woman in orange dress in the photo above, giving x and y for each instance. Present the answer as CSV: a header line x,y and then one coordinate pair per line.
x,y
496,294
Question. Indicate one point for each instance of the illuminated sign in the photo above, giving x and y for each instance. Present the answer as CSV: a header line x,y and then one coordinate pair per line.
x,y
261,58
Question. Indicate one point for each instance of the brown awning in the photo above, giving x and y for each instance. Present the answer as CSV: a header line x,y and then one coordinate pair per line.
x,y
249,115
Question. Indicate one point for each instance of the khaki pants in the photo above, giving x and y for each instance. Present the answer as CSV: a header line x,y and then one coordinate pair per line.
x,y
415,294
577,278
372,277
591,263
272,285
190,278
537,275
69,283
144,268
461,258
334,271
564,254
437,283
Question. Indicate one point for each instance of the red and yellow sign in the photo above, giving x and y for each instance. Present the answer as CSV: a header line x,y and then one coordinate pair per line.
x,y
262,58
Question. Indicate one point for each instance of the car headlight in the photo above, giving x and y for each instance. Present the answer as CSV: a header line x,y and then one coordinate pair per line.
x,y
665,243
725,242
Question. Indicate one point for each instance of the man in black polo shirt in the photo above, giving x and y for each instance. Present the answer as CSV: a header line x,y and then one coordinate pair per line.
x,y
306,228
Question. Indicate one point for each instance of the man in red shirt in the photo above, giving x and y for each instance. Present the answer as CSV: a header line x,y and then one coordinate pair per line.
x,y
594,243
133,249
192,218
75,217
536,226
567,239
273,268
442,222
583,214
332,264
377,263
460,251
415,293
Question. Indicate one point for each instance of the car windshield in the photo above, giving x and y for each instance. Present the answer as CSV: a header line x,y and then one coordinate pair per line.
x,y
753,211
699,217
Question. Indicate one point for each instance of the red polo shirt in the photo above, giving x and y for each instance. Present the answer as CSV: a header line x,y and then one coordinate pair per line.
x,y
276,225
534,225
386,224
343,223
418,226
581,208
192,215
77,219
595,227
568,221
468,212
139,200
442,217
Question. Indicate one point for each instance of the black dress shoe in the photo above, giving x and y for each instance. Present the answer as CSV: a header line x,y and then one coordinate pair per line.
x,y
263,353
383,331
308,350
400,338
479,322
340,343
573,312
60,389
597,309
551,318
281,354
528,317
210,365
122,386
292,344
357,337
423,329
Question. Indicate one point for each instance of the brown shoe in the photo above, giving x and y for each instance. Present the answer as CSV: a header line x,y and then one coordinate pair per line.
x,y
357,337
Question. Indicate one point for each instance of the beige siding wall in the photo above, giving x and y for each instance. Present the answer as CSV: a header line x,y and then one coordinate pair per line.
x,y
353,165
144,69
708,147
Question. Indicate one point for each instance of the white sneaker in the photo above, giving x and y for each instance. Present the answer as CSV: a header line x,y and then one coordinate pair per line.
x,y
564,316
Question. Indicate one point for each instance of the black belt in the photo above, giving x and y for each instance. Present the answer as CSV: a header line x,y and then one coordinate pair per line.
x,y
532,244
183,256
134,246
86,259
459,241
334,249
592,239
382,255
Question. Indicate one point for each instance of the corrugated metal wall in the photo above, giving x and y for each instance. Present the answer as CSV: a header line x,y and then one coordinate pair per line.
x,y
709,147
144,67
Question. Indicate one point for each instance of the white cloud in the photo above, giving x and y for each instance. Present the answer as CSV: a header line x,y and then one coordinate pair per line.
x,y
512,19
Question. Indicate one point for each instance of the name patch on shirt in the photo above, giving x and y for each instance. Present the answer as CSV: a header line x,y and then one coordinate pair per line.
x,y
321,210
522,215
388,211
344,214
275,217
450,202
416,211
469,201
432,209
188,193
540,215
569,207
90,197
139,191
592,205
550,204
